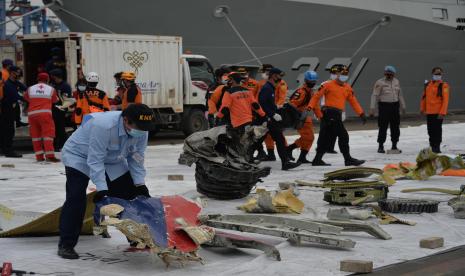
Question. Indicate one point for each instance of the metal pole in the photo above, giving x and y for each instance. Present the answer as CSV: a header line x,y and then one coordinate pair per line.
x,y
26,14
3,18
26,20
44,21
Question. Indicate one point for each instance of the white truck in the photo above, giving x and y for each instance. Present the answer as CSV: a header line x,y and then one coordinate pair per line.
x,y
173,84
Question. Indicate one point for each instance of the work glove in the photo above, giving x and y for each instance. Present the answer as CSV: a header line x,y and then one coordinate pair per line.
x,y
364,118
100,195
277,117
211,120
142,191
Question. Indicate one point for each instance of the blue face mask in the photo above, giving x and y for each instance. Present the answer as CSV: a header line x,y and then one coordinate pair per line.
x,y
437,77
343,78
136,133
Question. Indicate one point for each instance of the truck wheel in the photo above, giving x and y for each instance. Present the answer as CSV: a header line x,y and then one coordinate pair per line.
x,y
194,121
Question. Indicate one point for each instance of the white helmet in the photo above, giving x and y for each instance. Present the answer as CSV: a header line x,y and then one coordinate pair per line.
x,y
92,77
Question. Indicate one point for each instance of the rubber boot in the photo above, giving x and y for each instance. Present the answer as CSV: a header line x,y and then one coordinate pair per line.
x,y
270,156
289,150
381,149
318,160
303,157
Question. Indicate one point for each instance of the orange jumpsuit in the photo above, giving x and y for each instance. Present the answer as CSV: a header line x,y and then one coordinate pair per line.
x,y
300,100
336,96
280,99
90,101
5,74
214,102
253,86
241,105
432,102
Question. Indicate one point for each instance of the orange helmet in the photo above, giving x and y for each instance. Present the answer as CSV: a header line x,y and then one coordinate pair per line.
x,y
130,76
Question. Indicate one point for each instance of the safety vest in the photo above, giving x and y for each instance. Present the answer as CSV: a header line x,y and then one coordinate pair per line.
x,y
40,98
137,98
91,101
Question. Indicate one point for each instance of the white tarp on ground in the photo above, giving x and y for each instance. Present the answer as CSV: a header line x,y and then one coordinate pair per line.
x,y
38,187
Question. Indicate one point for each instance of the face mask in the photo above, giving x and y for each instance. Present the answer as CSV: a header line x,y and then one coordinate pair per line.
x,y
343,78
136,133
265,76
333,76
224,82
437,77
277,81
81,88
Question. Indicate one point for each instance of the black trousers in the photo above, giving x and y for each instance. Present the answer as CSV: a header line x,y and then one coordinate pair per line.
x,y
74,208
7,128
59,118
332,127
276,132
434,130
389,116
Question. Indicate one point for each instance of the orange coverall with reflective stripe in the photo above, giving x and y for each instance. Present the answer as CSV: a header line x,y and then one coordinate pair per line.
x,y
432,102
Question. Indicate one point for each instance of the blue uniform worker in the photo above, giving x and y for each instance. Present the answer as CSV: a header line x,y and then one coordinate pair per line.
x,y
109,150
266,99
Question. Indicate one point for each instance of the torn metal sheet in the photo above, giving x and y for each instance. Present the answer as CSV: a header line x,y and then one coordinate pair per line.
x,y
32,224
294,230
359,226
273,202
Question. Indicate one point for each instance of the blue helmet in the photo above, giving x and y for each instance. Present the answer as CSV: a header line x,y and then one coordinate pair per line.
x,y
311,76
390,68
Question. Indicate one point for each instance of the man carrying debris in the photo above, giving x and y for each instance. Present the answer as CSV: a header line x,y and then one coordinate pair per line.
x,y
221,79
387,94
267,101
336,93
109,150
216,99
237,108
434,105
300,100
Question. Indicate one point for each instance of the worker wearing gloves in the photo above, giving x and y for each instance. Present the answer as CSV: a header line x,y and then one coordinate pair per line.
x,y
387,95
238,108
215,101
336,93
91,100
267,101
40,99
132,92
300,100
434,105
109,150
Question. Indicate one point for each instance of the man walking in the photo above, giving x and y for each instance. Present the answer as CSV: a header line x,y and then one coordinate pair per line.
x,y
387,95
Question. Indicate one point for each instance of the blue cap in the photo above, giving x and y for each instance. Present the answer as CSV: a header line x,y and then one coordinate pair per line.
x,y
14,69
390,68
311,76
7,61
277,71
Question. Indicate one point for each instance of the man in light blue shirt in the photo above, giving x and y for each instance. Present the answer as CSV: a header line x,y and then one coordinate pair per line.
x,y
109,150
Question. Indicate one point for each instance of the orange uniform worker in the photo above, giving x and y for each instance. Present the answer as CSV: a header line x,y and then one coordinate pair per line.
x,y
281,90
252,85
434,104
40,98
132,92
215,101
300,100
91,100
6,64
336,93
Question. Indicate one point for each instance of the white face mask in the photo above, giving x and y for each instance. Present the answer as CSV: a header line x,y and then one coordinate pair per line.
x,y
264,76
437,77
333,76
81,88
343,78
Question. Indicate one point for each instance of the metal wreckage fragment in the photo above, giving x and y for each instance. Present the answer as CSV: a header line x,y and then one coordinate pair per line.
x,y
222,169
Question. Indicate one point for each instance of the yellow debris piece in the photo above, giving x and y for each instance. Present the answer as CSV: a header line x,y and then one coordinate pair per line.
x,y
276,202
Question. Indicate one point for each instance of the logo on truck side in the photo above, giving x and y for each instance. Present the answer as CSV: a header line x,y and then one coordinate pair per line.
x,y
135,59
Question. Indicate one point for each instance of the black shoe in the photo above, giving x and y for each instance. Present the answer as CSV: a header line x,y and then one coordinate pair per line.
x,y
317,163
289,165
289,150
21,124
332,151
270,156
435,149
261,155
68,253
354,162
303,157
381,149
13,154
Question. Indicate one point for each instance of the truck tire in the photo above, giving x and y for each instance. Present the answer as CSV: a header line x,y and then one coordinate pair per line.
x,y
194,120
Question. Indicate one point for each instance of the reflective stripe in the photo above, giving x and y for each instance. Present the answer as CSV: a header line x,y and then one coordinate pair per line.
x,y
40,97
49,152
39,111
39,152
36,139
48,139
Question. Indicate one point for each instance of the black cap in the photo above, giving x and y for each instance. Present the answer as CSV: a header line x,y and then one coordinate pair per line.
x,y
15,69
7,62
57,72
237,77
265,68
276,71
141,115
